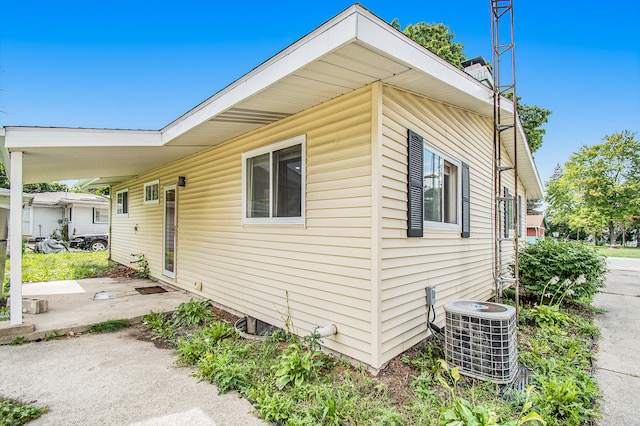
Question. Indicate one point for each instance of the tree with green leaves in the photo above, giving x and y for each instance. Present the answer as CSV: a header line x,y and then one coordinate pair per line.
x,y
600,185
532,118
439,39
534,207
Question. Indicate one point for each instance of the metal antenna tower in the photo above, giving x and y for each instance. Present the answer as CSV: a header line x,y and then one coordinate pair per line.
x,y
507,205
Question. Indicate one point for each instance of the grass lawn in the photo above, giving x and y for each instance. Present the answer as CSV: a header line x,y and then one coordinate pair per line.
x,y
633,252
38,267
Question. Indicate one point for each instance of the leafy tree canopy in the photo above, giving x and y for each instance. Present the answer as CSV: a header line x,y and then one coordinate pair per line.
x,y
532,118
439,39
599,186
534,207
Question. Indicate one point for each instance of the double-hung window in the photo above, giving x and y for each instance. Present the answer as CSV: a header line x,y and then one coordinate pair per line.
x,y
441,194
274,183
100,215
438,190
122,203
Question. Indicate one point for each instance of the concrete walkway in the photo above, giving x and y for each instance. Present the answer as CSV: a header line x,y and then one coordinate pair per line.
x,y
107,379
76,305
618,357
114,379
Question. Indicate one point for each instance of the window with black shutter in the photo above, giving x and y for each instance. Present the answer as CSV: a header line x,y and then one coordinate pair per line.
x,y
466,201
415,190
438,190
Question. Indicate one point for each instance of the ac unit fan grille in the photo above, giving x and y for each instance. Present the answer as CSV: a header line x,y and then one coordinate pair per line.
x,y
483,348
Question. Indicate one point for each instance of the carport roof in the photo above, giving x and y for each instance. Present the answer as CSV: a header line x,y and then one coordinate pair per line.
x,y
352,50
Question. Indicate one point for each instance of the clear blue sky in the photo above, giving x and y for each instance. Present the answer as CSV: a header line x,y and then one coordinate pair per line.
x,y
139,65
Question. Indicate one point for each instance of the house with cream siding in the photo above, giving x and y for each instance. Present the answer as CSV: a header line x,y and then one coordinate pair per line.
x,y
328,186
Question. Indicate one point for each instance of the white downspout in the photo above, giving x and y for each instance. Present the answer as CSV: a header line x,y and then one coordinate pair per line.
x,y
15,237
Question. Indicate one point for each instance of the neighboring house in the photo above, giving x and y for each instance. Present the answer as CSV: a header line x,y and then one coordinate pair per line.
x,y
328,186
49,213
536,227
4,212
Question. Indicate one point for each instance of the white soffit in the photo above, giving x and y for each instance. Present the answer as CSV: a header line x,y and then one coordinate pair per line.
x,y
346,53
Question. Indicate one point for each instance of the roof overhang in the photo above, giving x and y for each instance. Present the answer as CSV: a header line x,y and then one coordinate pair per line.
x,y
352,50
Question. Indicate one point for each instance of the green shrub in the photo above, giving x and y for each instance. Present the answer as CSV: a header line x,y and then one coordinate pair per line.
x,y
547,259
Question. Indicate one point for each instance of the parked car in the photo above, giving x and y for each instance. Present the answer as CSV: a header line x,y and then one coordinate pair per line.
x,y
94,242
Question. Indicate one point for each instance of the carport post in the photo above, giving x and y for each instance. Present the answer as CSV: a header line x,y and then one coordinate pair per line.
x,y
15,238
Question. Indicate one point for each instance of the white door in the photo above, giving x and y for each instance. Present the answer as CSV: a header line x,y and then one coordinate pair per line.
x,y
170,231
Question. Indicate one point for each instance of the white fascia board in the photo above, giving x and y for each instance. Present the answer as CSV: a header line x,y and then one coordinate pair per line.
x,y
387,39
86,183
383,37
17,138
539,190
328,37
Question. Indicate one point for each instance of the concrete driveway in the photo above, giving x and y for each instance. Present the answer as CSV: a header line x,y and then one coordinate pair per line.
x,y
114,379
618,357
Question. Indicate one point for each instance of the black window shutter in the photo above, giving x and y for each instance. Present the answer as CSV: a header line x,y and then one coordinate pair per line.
x,y
466,201
506,212
415,186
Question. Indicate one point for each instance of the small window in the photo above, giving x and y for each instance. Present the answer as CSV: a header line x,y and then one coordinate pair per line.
x,y
122,202
152,192
274,183
509,213
440,186
100,215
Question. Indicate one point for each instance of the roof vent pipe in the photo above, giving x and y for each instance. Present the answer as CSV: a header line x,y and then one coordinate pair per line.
x,y
326,331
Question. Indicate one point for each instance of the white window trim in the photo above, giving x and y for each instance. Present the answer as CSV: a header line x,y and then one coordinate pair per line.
x,y
144,192
443,225
94,215
296,140
116,199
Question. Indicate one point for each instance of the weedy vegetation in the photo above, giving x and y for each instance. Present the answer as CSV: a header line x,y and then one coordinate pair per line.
x,y
14,413
109,326
291,382
38,267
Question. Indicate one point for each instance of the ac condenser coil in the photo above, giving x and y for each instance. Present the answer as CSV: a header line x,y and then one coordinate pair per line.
x,y
481,339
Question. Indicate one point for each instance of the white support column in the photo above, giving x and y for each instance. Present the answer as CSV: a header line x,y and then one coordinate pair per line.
x,y
15,238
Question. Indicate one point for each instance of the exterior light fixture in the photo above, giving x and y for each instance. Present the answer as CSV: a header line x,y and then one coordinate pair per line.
x,y
182,181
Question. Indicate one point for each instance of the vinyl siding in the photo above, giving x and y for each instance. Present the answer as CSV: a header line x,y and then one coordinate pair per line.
x,y
457,267
351,263
324,266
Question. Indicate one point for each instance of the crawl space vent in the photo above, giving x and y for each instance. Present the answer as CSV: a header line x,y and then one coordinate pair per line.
x,y
150,290
480,338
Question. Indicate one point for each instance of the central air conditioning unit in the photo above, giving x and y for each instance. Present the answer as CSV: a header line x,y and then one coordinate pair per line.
x,y
480,338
